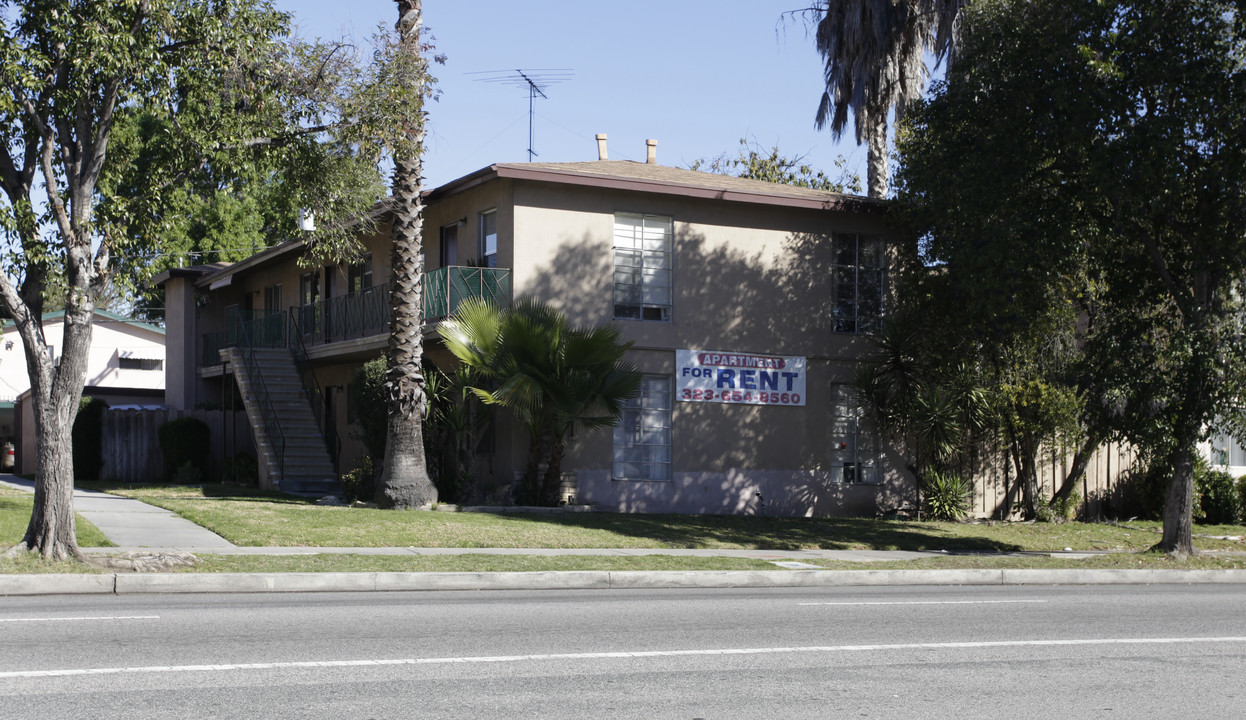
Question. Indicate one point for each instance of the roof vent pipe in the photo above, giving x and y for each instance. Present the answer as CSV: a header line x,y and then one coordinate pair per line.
x,y
651,156
601,147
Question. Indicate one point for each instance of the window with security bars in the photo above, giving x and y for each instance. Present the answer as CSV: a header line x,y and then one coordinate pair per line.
x,y
642,439
856,451
642,267
857,283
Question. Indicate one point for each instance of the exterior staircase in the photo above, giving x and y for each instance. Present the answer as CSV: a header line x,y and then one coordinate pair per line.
x,y
292,448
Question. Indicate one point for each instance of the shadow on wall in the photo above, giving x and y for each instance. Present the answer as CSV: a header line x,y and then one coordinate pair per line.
x,y
770,296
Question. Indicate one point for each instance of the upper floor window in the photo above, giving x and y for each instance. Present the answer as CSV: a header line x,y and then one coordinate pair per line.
x,y
642,267
857,283
449,255
272,298
359,276
309,288
489,238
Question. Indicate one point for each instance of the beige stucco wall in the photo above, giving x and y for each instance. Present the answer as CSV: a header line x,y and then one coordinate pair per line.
x,y
746,278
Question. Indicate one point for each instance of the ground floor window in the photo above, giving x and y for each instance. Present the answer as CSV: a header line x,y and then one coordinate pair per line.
x,y
856,451
1226,451
642,439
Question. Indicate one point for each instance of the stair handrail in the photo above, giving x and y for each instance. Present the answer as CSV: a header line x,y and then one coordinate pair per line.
x,y
268,414
311,388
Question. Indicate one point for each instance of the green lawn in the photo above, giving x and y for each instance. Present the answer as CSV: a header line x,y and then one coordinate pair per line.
x,y
265,519
15,508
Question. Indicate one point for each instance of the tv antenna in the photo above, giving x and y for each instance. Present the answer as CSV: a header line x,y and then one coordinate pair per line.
x,y
534,81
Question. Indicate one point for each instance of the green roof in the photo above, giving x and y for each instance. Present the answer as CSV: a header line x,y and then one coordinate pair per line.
x,y
108,314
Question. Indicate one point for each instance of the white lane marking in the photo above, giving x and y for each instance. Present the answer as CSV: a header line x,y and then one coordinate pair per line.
x,y
614,655
81,619
930,602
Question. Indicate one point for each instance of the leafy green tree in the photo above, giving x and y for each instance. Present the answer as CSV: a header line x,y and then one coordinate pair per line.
x,y
112,115
553,377
757,163
1088,157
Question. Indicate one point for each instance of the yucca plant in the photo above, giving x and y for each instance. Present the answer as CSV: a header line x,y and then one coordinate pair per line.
x,y
947,495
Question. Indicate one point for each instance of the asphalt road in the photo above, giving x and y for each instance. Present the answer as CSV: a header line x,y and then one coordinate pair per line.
x,y
982,652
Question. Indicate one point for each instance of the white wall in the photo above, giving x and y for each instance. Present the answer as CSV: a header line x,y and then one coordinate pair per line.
x,y
110,340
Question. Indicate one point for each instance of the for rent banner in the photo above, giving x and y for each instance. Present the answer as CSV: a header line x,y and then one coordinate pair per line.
x,y
739,378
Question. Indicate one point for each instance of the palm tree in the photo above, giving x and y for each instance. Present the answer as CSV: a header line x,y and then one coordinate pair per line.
x,y
874,55
554,378
404,481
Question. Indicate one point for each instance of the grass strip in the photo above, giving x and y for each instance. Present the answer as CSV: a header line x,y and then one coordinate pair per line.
x,y
15,513
261,522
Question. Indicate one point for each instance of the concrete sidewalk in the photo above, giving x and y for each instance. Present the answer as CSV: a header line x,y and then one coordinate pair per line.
x,y
133,524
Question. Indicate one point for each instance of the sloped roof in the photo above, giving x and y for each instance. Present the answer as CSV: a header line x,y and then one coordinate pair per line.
x,y
107,315
647,177
612,174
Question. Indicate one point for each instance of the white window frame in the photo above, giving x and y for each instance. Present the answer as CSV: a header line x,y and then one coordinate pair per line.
x,y
642,447
857,263
856,448
488,259
643,267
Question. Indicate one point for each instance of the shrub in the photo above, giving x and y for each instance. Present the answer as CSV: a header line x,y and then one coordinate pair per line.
x,y
1241,499
947,495
1060,510
1215,498
188,474
358,483
185,440
368,407
1141,491
87,437
241,469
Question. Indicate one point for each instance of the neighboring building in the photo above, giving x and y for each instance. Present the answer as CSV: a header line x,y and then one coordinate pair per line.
x,y
125,367
1226,454
747,303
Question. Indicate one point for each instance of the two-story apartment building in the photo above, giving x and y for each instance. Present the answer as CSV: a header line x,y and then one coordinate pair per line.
x,y
747,304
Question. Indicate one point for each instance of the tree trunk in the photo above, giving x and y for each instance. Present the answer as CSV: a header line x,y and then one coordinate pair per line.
x,y
55,393
876,174
529,488
1178,538
405,482
553,473
1081,460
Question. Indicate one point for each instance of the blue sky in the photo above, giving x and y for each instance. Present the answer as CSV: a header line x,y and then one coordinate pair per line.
x,y
694,74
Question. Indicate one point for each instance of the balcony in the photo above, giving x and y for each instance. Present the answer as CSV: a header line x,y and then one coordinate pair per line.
x,y
446,288
360,315
265,329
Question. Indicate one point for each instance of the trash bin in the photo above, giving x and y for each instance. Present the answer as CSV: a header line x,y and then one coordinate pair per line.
x,y
8,456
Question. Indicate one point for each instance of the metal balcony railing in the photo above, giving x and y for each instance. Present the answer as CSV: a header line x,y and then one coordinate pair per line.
x,y
262,328
358,315
445,288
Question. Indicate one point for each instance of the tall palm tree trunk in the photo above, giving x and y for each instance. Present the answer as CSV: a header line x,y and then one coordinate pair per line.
x,y
405,482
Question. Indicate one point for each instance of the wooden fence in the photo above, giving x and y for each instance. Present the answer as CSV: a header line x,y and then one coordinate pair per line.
x,y
131,445
997,490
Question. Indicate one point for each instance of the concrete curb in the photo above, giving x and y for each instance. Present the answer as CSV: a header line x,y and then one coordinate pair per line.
x,y
191,583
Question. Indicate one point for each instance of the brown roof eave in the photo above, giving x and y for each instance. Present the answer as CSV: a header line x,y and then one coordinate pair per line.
x,y
839,203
